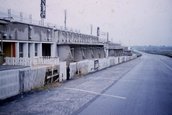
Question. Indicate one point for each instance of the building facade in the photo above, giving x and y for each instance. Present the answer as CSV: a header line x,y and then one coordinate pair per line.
x,y
20,40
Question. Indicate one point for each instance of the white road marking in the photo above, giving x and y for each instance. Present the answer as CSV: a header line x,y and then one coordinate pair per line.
x,y
166,65
92,92
101,78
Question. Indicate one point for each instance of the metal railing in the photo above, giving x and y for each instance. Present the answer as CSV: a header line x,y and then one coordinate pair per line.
x,y
13,15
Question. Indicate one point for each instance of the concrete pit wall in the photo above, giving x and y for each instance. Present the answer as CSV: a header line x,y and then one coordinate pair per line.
x,y
92,65
62,74
13,82
9,83
16,81
32,78
81,68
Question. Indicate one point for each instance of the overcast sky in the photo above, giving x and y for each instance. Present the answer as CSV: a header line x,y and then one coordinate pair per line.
x,y
131,22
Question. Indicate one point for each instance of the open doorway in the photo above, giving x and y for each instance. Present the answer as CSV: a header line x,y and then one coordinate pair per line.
x,y
46,49
9,49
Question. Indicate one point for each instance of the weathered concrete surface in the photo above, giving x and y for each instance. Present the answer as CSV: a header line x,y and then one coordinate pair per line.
x,y
62,71
33,78
71,96
64,52
87,66
18,80
9,83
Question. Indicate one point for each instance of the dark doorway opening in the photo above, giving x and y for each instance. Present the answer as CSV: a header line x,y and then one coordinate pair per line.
x,y
68,72
9,49
46,49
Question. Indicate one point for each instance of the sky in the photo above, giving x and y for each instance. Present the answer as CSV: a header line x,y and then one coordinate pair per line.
x,y
130,22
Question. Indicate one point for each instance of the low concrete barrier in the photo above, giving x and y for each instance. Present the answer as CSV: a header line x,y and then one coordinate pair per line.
x,y
73,69
16,81
81,67
87,66
9,83
13,82
32,78
62,74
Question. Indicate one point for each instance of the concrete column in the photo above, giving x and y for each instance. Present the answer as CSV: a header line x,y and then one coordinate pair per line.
x,y
17,49
107,53
64,52
40,50
53,50
32,50
88,53
78,54
25,50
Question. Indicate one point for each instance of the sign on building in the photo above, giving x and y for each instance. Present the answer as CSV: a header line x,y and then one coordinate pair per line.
x,y
96,64
43,9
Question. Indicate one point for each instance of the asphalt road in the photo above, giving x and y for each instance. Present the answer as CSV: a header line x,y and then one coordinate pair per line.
x,y
147,89
139,87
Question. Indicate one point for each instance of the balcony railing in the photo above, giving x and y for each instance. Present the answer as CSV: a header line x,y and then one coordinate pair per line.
x,y
31,61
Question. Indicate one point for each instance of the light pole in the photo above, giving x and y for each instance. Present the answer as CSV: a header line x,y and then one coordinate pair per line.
x,y
65,18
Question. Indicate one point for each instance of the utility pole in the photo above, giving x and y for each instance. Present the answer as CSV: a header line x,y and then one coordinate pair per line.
x,y
107,36
91,27
65,18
